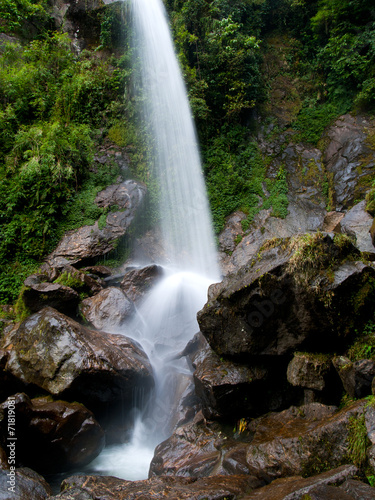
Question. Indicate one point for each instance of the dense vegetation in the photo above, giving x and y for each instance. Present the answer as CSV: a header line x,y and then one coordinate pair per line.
x,y
57,106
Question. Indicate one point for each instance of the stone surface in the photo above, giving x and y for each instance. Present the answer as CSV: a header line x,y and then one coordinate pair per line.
x,y
356,377
293,488
108,309
232,230
89,242
297,440
276,305
61,297
137,282
358,490
357,224
56,354
309,371
349,159
28,485
65,435
229,390
110,488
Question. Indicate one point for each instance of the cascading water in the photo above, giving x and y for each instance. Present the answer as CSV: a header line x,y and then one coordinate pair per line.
x,y
166,320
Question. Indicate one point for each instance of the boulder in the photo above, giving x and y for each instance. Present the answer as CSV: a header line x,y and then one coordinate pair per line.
x,y
349,159
66,435
356,377
295,487
309,371
137,282
229,390
50,351
293,296
358,490
97,271
61,297
81,487
300,441
3,459
108,309
89,242
23,483
357,224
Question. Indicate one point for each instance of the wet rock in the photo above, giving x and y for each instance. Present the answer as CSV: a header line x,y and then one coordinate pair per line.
x,y
229,390
66,435
357,224
81,281
137,283
309,371
295,487
356,377
108,309
27,484
327,493
279,303
81,487
349,159
61,297
298,440
52,352
358,490
89,242
100,271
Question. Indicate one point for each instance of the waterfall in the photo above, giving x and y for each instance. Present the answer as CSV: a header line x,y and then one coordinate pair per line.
x,y
166,320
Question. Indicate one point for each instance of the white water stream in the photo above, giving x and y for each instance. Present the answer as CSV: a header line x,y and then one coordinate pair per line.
x,y
167,317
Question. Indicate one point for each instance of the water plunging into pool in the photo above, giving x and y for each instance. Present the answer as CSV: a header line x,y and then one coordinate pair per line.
x,y
166,320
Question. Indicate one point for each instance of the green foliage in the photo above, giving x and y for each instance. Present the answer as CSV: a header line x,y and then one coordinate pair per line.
x,y
313,119
358,441
70,279
236,172
19,16
364,345
12,276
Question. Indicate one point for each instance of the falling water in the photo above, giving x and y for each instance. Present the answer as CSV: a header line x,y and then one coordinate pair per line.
x,y
167,317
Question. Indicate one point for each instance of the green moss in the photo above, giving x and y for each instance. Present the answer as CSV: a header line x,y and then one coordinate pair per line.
x,y
358,441
364,344
20,309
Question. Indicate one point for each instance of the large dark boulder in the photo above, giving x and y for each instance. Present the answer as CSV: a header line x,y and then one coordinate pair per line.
x,y
230,390
356,376
298,294
51,435
89,242
54,353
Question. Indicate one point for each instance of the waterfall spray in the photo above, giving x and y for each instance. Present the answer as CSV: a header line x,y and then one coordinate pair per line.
x,y
167,317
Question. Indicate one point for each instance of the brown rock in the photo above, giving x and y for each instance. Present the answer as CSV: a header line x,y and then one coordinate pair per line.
x,y
137,282
356,377
108,309
61,297
27,484
173,488
358,490
357,223
295,487
56,354
65,434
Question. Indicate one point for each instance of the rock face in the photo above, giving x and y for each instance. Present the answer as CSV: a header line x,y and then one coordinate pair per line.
x,y
293,442
357,223
56,354
28,484
65,435
110,488
88,242
291,298
349,159
229,390
138,281
356,377
108,309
